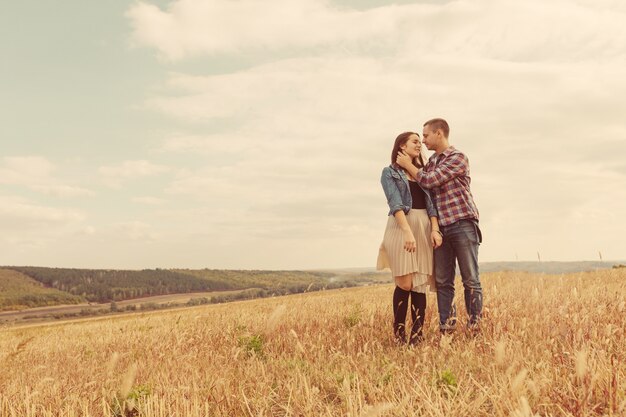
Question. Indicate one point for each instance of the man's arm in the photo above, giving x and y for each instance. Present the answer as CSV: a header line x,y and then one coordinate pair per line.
x,y
406,162
454,166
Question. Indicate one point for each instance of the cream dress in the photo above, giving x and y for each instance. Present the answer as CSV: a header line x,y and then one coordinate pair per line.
x,y
392,254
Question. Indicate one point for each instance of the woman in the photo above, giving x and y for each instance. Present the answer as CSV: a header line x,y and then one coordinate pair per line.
x,y
411,234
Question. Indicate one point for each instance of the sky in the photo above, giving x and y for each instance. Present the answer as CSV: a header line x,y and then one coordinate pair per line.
x,y
247,134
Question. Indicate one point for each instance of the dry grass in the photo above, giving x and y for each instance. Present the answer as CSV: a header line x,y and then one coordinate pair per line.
x,y
550,346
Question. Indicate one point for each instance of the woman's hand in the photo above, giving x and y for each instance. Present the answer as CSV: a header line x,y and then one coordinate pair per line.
x,y
436,239
409,241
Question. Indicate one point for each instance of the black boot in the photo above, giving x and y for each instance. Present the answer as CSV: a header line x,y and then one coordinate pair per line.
x,y
418,312
400,307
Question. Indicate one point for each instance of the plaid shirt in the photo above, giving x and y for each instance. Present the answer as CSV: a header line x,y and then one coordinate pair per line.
x,y
447,175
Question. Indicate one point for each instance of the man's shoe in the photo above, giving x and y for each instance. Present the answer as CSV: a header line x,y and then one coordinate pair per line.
x,y
473,328
447,328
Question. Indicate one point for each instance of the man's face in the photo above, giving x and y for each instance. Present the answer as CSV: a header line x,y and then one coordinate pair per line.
x,y
430,138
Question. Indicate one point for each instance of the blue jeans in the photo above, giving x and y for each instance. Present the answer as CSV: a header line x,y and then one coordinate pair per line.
x,y
460,243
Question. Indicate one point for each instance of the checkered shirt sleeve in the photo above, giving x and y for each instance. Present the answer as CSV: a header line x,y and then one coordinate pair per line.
x,y
448,177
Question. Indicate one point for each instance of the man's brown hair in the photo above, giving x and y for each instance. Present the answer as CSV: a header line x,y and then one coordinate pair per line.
x,y
436,124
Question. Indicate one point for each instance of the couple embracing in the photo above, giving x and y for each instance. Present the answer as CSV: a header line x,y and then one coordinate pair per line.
x,y
432,224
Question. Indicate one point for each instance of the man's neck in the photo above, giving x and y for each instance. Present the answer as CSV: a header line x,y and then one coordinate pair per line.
x,y
442,147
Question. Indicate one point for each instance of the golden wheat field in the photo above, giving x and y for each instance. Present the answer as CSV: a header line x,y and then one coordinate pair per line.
x,y
549,346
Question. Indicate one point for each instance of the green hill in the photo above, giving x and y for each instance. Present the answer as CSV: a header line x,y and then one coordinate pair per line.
x,y
99,285
18,291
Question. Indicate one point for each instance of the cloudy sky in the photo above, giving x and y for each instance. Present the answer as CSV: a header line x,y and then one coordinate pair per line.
x,y
252,134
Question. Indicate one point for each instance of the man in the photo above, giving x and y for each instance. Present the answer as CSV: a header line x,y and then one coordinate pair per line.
x,y
447,175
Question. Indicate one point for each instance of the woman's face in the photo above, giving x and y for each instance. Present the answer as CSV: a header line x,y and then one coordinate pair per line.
x,y
412,146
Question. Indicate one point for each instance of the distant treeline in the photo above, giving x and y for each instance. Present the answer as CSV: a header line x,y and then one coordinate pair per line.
x,y
103,286
291,281
115,285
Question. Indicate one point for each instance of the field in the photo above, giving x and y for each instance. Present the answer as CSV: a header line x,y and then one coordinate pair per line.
x,y
549,346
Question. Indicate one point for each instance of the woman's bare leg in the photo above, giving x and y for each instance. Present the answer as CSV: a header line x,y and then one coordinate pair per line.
x,y
405,282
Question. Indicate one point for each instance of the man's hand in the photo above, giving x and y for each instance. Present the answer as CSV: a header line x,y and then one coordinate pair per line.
x,y
404,160
436,239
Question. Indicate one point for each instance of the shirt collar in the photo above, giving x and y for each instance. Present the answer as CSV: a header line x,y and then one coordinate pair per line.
x,y
448,150
435,158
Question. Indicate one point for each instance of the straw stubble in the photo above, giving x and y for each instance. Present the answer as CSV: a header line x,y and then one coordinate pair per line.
x,y
544,349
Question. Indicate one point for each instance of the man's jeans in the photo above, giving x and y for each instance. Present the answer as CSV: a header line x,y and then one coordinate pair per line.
x,y
460,243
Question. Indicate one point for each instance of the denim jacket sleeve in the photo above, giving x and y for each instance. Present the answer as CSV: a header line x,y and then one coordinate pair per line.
x,y
430,205
394,198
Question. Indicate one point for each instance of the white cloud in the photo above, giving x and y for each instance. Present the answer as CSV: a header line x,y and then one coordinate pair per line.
x,y
38,174
151,201
114,175
16,169
503,30
17,213
192,27
89,230
202,144
129,169
136,230
63,190
313,132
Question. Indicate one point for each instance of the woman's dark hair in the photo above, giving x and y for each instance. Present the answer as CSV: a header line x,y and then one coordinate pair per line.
x,y
401,140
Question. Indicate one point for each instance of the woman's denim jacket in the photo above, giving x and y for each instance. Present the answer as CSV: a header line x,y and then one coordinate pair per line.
x,y
396,186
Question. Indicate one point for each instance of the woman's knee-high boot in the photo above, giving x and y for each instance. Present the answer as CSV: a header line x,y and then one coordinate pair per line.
x,y
400,307
418,311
